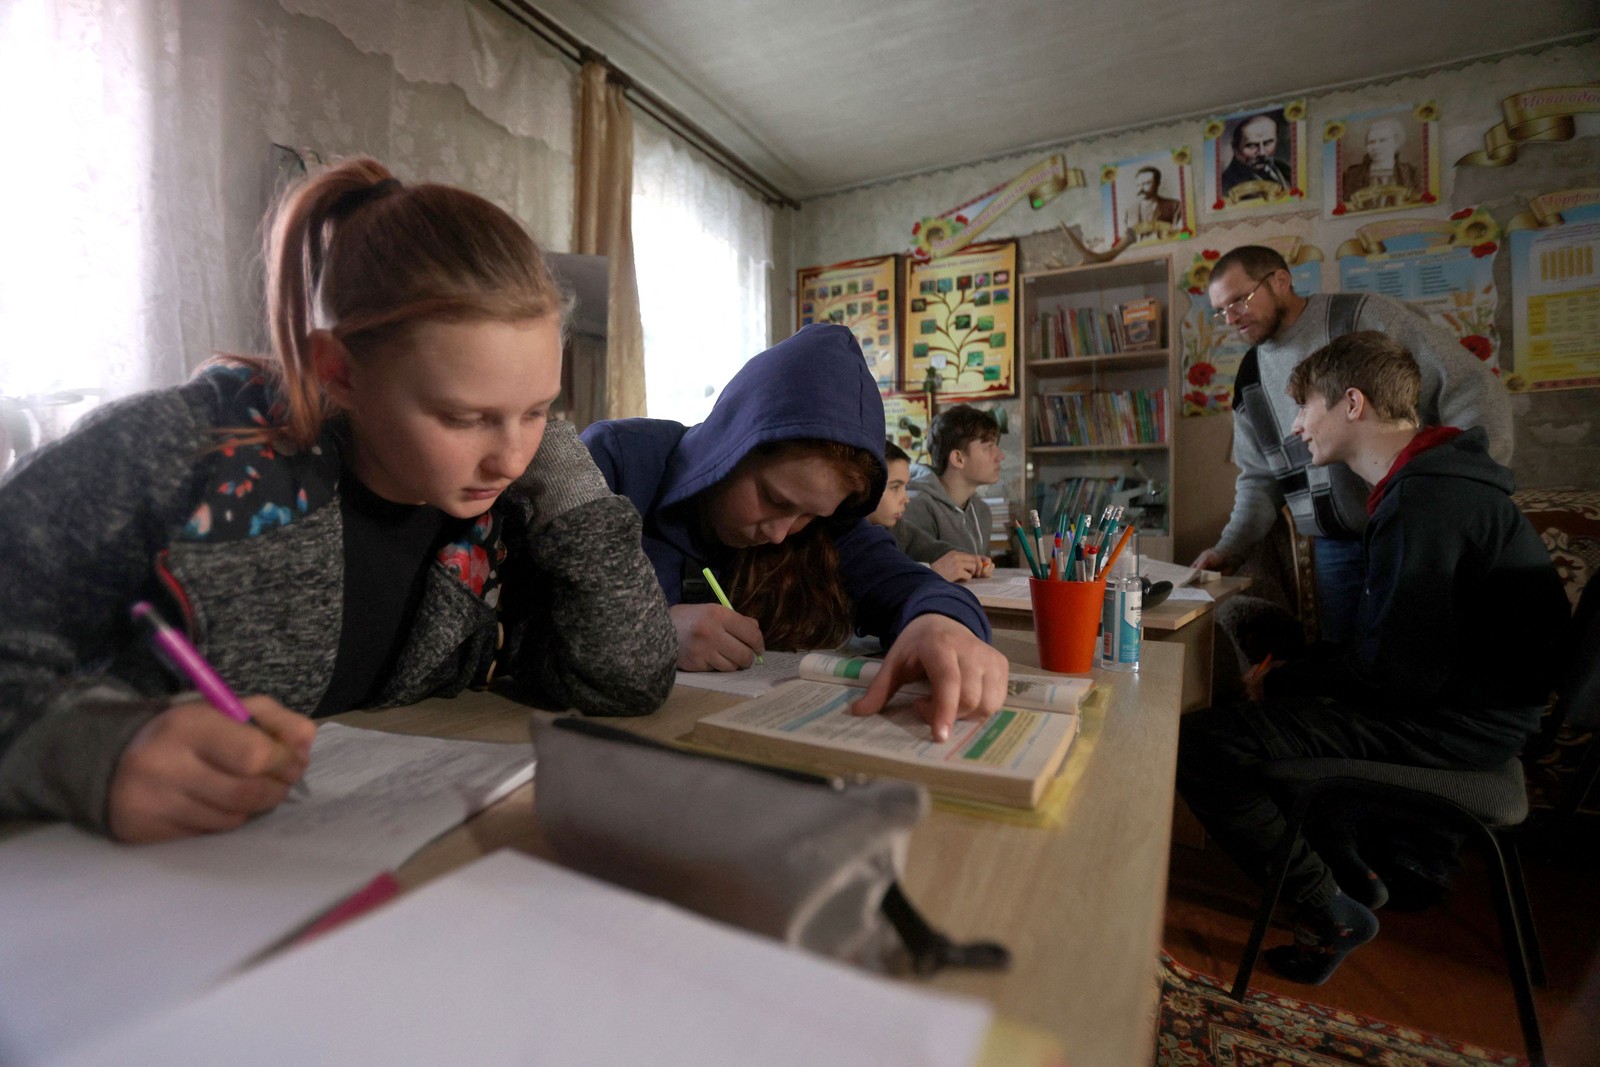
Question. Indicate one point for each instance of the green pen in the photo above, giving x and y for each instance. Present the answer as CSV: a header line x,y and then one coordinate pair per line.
x,y
722,597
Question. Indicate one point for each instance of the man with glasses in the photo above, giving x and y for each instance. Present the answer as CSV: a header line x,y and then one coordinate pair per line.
x,y
1251,292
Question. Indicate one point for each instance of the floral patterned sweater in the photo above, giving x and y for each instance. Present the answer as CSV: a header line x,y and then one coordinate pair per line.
x,y
161,498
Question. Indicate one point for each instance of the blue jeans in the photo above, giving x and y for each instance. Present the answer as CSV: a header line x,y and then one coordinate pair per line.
x,y
1339,569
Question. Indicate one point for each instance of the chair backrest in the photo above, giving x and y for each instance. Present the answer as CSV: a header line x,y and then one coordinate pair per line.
x,y
1577,705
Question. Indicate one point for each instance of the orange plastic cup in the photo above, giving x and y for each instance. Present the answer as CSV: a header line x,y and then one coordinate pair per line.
x,y
1066,623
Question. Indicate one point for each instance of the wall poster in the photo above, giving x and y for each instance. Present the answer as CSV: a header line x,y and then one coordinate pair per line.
x,y
1256,158
960,323
1148,199
1555,288
906,422
1381,160
863,294
1445,268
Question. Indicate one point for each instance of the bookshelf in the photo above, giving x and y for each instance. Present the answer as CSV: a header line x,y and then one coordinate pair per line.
x,y
1100,399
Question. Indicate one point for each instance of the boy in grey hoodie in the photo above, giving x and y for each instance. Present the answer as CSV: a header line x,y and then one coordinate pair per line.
x,y
946,524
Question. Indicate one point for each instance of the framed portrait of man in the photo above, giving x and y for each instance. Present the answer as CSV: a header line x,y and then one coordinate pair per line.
x,y
1256,158
1148,199
1383,160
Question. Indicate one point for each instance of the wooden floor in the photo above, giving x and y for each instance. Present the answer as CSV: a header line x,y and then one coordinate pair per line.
x,y
1440,969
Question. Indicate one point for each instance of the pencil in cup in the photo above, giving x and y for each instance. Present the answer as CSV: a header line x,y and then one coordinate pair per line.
x,y
722,598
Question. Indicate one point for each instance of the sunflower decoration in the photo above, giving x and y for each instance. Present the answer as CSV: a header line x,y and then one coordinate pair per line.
x,y
1333,131
1473,227
1428,112
1198,275
1213,130
1295,111
1108,174
1181,156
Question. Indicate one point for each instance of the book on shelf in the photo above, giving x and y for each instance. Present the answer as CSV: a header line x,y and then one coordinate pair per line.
x,y
999,524
1085,417
1141,322
1007,759
1069,332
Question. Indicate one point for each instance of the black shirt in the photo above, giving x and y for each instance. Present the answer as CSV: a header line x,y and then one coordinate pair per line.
x,y
388,549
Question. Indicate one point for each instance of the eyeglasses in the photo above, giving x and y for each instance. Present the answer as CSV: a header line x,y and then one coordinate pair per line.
x,y
1237,306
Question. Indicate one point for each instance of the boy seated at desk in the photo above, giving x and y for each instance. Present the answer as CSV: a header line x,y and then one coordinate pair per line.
x,y
1461,629
946,524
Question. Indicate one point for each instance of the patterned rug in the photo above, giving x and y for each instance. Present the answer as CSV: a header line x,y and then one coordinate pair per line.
x,y
1202,1026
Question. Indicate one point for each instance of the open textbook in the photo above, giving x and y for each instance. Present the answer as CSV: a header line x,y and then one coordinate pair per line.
x,y
1008,759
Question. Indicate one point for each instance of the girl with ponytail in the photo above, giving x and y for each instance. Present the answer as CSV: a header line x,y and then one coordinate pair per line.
x,y
379,510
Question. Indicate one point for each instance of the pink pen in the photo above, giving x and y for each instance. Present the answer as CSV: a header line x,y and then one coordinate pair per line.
x,y
187,659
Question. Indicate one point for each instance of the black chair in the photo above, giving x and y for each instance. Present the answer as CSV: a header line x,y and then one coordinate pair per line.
x,y
1490,807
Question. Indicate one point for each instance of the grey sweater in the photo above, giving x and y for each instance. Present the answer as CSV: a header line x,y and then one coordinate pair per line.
x,y
933,525
1274,466
550,587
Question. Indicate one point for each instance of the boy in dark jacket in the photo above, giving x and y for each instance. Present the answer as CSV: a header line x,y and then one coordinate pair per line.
x,y
1459,636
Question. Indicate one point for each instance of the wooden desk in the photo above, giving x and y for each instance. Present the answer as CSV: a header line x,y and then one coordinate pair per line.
x,y
1080,907
1169,621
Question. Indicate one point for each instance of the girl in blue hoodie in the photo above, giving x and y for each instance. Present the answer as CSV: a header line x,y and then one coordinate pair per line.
x,y
771,492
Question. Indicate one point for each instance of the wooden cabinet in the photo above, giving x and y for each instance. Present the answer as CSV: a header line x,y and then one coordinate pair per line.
x,y
1100,402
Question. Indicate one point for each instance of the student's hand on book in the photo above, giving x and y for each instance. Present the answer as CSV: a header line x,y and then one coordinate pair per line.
x,y
192,770
959,566
967,675
714,638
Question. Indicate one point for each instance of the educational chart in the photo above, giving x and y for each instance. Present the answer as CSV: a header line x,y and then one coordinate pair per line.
x,y
1381,160
960,323
906,421
863,295
1555,279
1212,351
1443,267
1256,158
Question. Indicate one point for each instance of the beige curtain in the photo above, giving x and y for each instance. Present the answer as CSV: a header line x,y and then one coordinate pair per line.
x,y
608,384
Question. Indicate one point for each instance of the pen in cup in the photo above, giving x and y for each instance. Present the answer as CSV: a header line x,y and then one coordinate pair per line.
x,y
186,660
722,598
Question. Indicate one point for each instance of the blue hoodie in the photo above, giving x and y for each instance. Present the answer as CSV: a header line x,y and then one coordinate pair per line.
x,y
812,385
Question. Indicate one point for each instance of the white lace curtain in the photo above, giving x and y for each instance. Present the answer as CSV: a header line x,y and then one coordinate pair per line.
x,y
703,252
141,161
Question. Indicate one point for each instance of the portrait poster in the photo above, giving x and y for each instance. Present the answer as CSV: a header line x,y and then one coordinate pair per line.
x,y
863,294
960,323
1148,199
1256,159
1444,268
906,422
1210,351
1555,289
1381,160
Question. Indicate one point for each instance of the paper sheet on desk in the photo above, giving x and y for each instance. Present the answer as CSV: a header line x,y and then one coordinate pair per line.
x,y
94,935
756,679
512,961
1158,571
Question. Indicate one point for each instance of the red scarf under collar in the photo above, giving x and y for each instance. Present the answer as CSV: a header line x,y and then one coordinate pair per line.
x,y
1431,437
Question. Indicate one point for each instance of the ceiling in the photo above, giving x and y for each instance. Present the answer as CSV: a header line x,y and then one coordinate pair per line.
x,y
823,95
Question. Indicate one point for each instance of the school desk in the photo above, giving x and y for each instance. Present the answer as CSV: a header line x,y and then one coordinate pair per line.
x,y
1188,623
1080,906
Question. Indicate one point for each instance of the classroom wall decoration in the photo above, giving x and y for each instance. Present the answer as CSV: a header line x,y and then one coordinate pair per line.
x,y
906,421
1533,115
1443,267
1148,199
1256,158
863,294
941,235
1211,351
1381,160
960,322
1556,287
